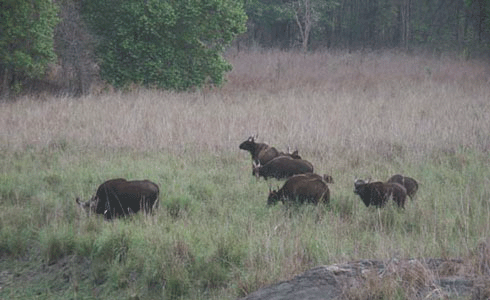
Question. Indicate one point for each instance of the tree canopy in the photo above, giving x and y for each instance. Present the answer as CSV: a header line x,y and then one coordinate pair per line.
x,y
167,44
26,40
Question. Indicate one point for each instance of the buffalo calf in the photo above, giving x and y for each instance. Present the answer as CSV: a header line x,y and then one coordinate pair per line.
x,y
309,188
378,193
410,184
119,197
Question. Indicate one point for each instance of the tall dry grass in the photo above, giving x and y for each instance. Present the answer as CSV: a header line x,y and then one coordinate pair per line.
x,y
329,105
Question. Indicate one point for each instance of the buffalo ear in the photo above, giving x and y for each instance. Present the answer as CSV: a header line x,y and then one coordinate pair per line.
x,y
327,178
77,200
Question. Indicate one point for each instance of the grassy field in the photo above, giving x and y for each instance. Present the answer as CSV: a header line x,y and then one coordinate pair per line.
x,y
352,115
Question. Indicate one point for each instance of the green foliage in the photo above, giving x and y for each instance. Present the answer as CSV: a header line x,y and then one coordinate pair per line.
x,y
26,42
269,12
167,44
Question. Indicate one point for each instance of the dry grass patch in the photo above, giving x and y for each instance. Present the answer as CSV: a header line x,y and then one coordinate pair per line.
x,y
327,105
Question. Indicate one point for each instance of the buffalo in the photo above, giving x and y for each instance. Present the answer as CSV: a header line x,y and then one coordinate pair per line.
x,y
309,188
378,193
410,184
325,177
264,153
119,197
260,151
282,167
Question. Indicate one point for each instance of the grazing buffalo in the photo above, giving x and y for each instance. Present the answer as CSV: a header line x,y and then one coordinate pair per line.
x,y
282,167
264,153
119,197
410,184
309,188
378,193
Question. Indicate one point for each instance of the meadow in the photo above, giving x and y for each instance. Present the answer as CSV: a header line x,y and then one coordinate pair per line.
x,y
353,115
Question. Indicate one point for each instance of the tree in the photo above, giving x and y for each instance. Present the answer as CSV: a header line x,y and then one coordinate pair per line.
x,y
480,15
308,13
271,23
26,41
167,44
74,48
303,13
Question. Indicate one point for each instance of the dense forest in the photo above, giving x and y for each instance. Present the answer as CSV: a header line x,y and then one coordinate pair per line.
x,y
372,24
70,46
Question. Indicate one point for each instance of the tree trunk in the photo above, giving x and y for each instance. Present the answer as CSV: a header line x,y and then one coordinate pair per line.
x,y
5,90
305,27
405,22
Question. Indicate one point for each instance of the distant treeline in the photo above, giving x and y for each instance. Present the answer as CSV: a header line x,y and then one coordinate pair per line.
x,y
72,46
373,24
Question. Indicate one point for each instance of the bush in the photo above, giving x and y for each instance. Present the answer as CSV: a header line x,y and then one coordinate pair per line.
x,y
171,45
26,42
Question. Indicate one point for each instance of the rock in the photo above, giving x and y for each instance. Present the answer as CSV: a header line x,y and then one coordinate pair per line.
x,y
426,278
317,283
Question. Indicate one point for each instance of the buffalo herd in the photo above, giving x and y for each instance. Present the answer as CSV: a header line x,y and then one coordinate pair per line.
x,y
303,185
120,197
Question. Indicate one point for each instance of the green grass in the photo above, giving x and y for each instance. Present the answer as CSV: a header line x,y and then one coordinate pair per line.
x,y
213,236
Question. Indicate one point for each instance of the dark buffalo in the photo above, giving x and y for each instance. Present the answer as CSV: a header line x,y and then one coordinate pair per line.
x,y
260,151
410,184
309,188
378,193
264,153
282,167
119,197
325,177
